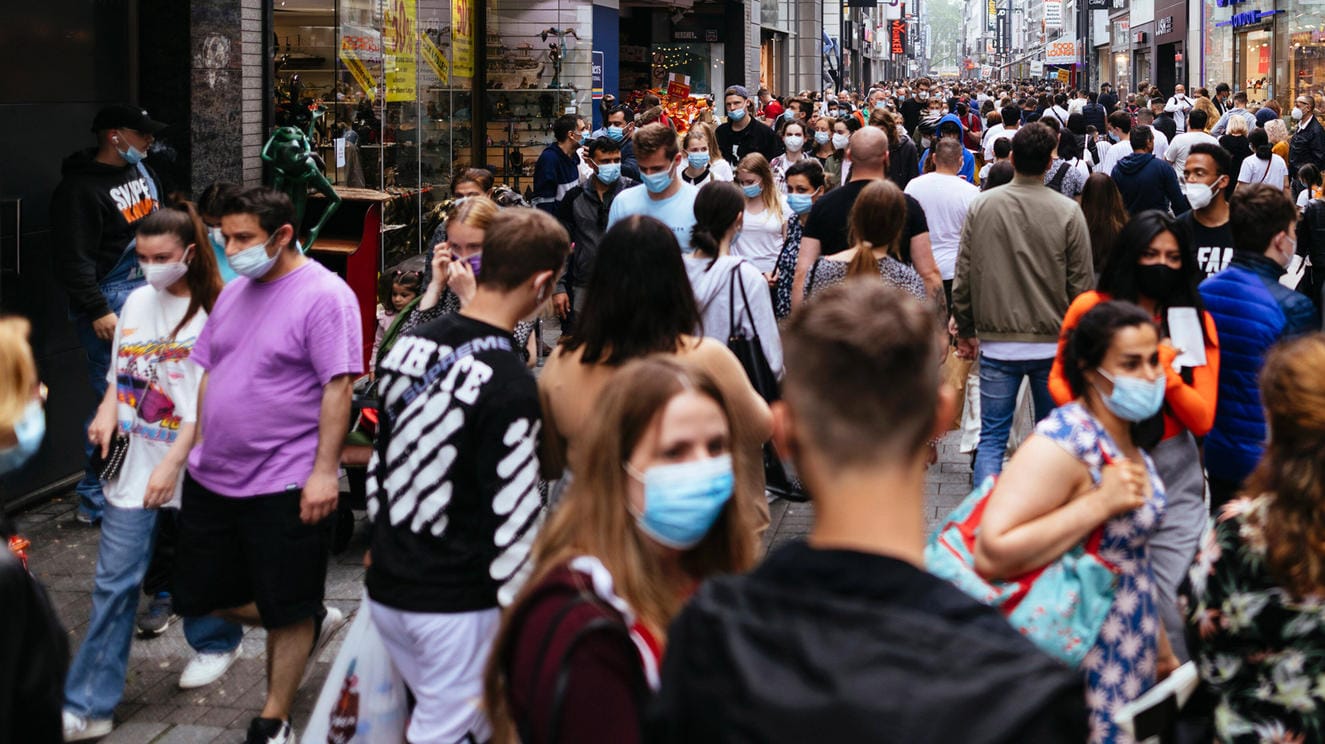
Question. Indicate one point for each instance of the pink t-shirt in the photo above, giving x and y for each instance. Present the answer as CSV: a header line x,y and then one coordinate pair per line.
x,y
269,348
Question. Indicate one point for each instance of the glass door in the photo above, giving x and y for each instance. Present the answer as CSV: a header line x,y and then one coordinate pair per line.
x,y
1253,60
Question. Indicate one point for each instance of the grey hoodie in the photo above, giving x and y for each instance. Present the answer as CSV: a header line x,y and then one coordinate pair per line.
x,y
712,287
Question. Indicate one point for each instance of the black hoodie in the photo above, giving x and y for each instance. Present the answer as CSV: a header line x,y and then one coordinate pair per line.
x,y
94,213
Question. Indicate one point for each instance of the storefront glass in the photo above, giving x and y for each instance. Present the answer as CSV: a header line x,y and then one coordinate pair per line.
x,y
1306,56
1253,64
1218,40
1122,70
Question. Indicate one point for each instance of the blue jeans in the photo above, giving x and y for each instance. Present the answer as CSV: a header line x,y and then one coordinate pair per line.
x,y
999,382
96,677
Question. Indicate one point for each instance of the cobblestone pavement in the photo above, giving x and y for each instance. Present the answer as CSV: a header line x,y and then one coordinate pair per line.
x,y
155,710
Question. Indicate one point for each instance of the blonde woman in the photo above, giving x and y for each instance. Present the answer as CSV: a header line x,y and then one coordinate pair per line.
x,y
765,226
657,506
1278,133
704,161
22,418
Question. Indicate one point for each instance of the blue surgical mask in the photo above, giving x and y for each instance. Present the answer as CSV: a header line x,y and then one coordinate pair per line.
x,y
609,172
253,262
821,138
698,159
1113,137
29,430
132,156
682,501
657,183
1134,399
217,240
788,114
800,203
752,190
736,114
616,133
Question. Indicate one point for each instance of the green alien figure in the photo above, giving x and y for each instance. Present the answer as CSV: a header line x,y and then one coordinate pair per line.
x,y
297,168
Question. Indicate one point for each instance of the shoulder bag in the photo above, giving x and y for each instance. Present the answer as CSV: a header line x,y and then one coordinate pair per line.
x,y
1060,606
108,467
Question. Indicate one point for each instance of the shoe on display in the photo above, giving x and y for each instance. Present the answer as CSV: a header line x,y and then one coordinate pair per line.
x,y
270,731
158,616
78,728
324,628
204,669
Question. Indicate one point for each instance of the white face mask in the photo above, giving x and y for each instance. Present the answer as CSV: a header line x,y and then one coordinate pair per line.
x,y
1297,114
253,262
793,142
840,141
1198,195
161,276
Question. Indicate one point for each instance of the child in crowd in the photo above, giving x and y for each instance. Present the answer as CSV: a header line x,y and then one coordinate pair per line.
x,y
1309,183
406,285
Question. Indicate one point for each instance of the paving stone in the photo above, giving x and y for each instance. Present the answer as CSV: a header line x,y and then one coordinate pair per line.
x,y
191,735
136,732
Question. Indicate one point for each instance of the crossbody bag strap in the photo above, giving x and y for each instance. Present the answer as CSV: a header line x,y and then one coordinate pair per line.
x,y
754,330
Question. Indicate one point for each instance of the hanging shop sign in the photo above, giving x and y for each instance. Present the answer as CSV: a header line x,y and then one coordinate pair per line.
x,y
1164,26
462,37
897,33
434,57
1037,67
400,30
360,52
1053,14
1120,29
1249,18
991,14
596,74
1064,76
1061,52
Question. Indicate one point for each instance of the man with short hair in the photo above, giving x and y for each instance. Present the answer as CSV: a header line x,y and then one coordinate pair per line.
x,y
619,126
1179,106
826,228
1222,99
1095,114
945,195
742,134
1176,152
558,168
1207,179
1011,121
665,195
769,107
584,214
1307,145
454,504
283,337
1024,256
103,193
1145,181
950,127
914,108
1252,312
1119,132
1147,118
869,645
1108,99
1239,109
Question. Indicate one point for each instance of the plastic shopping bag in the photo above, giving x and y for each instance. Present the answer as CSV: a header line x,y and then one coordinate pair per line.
x,y
363,700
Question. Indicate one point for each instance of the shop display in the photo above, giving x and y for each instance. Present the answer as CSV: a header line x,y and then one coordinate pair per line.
x,y
297,168
682,110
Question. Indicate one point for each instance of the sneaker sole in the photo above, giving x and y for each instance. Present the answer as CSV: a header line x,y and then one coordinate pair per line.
x,y
328,632
93,731
234,656
153,633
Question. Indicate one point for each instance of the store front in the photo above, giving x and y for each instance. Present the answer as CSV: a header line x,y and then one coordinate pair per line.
x,y
1253,63
1120,63
1170,44
1142,55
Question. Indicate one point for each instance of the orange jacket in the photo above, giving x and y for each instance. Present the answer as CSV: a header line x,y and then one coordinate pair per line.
x,y
1190,407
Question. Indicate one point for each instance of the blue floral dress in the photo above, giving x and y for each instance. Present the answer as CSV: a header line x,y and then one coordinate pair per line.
x,y
786,268
1121,666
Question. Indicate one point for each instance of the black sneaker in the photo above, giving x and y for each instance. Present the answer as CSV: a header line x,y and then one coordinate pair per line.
x,y
270,731
159,615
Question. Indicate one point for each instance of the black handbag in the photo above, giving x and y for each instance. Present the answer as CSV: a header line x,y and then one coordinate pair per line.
x,y
108,467
750,353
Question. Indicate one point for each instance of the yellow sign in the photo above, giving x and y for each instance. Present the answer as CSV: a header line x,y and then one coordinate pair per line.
x,y
462,37
399,32
434,57
361,51
1064,76
359,72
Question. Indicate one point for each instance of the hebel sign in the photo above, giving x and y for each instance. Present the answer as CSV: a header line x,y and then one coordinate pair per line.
x,y
1246,18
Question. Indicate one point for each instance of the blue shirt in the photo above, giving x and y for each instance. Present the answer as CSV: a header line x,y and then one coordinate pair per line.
x,y
676,211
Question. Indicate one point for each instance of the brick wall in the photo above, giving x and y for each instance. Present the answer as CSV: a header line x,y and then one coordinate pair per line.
x,y
253,96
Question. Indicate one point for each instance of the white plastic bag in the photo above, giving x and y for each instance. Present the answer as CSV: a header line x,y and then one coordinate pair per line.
x,y
363,700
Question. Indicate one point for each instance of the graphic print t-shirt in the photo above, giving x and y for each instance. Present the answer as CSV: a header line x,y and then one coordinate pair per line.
x,y
1213,245
453,485
156,385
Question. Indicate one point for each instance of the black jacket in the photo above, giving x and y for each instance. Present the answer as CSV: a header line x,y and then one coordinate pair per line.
x,y
1311,244
34,655
1146,182
840,646
1109,101
1307,146
756,137
584,215
94,214
1096,116
1168,125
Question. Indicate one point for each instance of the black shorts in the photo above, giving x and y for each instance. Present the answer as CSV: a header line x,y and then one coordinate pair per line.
x,y
233,551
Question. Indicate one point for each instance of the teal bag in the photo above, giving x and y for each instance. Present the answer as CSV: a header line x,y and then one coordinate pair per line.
x,y
1060,606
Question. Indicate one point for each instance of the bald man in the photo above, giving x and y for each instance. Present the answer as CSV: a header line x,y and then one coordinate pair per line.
x,y
826,229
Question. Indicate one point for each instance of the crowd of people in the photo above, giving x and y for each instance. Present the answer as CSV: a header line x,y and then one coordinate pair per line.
x,y
575,555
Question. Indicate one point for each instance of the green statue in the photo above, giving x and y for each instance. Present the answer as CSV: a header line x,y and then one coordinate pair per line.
x,y
297,169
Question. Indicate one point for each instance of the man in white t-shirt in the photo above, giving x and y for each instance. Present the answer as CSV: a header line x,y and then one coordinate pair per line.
x,y
1120,128
664,196
1176,153
945,197
1011,122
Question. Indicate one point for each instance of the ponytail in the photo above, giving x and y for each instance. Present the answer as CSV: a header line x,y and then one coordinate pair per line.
x,y
863,263
181,220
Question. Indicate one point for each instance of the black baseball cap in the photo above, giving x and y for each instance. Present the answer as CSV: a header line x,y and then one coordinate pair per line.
x,y
121,115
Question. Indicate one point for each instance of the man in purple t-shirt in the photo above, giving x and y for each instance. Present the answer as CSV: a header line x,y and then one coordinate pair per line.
x,y
279,350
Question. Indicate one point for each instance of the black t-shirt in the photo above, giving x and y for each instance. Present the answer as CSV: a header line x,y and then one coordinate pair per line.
x,y
756,137
1213,245
912,109
453,484
828,222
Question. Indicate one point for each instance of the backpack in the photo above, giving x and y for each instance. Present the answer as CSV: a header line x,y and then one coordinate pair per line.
x,y
1056,183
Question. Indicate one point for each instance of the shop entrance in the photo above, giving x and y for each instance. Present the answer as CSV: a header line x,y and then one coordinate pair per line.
x,y
1253,59
1141,69
1166,66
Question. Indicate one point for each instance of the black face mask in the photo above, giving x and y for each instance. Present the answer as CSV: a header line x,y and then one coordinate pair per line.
x,y
1158,281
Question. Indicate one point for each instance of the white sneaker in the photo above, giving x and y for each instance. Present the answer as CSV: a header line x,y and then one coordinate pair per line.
x,y
204,669
77,728
333,621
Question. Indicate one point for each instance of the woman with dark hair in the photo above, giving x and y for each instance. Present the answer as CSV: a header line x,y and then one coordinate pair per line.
x,y
875,226
1265,167
209,209
1254,597
1154,266
806,182
1083,469
999,174
658,506
638,266
730,291
1102,204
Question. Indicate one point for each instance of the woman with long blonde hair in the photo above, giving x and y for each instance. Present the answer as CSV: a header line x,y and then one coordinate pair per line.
x,y
1254,594
657,506
874,229
704,161
765,223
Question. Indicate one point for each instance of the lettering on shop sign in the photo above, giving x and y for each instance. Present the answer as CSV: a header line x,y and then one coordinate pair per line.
x,y
1164,26
1249,18
898,34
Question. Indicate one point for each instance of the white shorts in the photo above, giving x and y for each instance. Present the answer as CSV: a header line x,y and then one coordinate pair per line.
x,y
442,658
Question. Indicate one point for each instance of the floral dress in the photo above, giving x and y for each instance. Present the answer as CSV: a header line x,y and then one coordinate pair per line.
x,y
786,268
1260,649
1121,666
826,272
